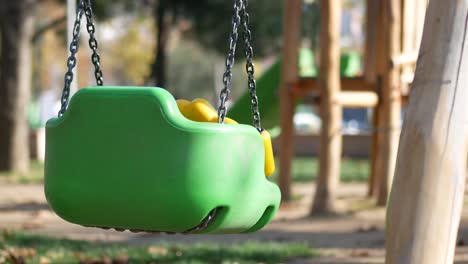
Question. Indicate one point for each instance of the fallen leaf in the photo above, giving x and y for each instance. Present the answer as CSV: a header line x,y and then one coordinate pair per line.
x,y
360,253
155,250
44,260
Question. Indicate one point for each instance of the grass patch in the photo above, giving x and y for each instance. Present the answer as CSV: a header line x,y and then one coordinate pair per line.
x,y
35,175
305,169
16,247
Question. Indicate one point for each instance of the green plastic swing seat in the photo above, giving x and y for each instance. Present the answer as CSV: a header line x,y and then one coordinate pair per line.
x,y
126,158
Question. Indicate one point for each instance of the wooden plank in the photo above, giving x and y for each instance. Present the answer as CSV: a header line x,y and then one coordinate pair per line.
x,y
358,99
349,99
427,196
330,109
391,98
289,75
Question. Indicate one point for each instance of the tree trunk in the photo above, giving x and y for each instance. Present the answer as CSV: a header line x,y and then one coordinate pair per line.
x,y
427,196
16,27
330,108
158,70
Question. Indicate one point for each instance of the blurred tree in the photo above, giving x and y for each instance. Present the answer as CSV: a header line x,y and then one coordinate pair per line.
x,y
311,24
131,54
16,31
191,72
158,76
212,23
210,26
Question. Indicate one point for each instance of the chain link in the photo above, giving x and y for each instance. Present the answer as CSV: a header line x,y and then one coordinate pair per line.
x,y
240,17
84,7
93,44
227,76
249,67
71,62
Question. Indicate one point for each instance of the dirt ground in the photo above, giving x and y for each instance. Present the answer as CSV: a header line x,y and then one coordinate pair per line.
x,y
355,236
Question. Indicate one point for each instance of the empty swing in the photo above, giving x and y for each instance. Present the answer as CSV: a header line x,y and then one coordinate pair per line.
x,y
134,158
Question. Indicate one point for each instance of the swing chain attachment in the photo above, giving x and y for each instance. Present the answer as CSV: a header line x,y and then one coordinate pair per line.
x,y
84,7
240,17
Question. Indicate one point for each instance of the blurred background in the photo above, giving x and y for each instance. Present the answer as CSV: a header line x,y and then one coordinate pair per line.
x,y
178,45
181,46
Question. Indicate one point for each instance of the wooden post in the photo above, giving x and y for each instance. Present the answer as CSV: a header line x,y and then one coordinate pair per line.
x,y
289,76
374,152
330,108
427,195
379,69
391,99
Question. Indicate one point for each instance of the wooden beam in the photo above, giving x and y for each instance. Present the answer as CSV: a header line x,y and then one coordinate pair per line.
x,y
358,99
306,85
289,75
349,99
427,195
330,109
391,98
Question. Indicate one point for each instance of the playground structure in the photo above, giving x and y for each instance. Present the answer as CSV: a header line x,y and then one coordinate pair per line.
x,y
393,35
383,87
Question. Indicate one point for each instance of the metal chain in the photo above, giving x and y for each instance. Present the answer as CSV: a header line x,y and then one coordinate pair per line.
x,y
93,44
249,67
71,62
84,7
227,76
240,17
